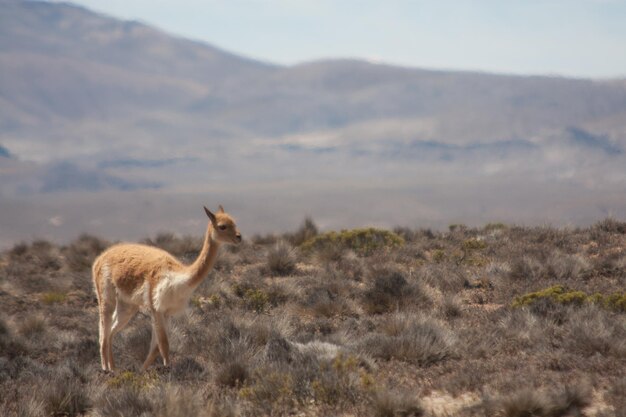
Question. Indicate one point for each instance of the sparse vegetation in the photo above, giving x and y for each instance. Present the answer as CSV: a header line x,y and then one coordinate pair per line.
x,y
362,241
501,320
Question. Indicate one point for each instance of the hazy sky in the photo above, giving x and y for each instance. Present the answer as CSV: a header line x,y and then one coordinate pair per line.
x,y
570,37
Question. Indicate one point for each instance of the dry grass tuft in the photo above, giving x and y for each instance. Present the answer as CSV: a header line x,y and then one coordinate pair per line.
x,y
386,403
565,401
281,259
414,339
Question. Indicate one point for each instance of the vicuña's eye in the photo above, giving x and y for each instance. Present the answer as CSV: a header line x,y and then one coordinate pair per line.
x,y
222,227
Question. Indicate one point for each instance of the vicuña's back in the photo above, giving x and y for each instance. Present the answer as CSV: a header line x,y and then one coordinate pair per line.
x,y
129,276
129,266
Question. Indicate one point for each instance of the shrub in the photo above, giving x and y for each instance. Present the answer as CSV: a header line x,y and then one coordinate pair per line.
x,y
182,247
591,330
272,389
123,401
363,241
610,225
32,326
390,290
83,251
282,385
64,397
474,244
417,340
323,301
490,227
451,306
53,297
561,295
176,401
233,374
438,256
565,401
387,403
560,266
307,230
281,260
187,368
132,380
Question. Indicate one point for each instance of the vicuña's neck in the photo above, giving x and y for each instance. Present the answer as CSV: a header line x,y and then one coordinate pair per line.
x,y
201,266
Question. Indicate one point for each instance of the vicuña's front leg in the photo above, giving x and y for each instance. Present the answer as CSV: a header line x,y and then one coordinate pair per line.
x,y
159,342
152,353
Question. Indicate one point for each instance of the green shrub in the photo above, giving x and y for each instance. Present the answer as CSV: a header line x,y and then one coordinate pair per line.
x,y
132,380
438,256
561,295
256,300
474,244
53,297
489,227
363,241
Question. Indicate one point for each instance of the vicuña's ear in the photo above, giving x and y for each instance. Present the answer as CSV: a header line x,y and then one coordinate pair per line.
x,y
221,209
211,215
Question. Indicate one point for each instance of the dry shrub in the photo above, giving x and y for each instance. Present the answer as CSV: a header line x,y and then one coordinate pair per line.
x,y
610,225
390,290
566,267
124,401
81,253
41,255
451,307
307,230
591,330
520,329
281,259
365,242
324,301
64,396
386,403
10,346
616,396
561,402
445,277
256,295
410,338
187,368
176,401
526,268
134,341
233,373
186,248
278,388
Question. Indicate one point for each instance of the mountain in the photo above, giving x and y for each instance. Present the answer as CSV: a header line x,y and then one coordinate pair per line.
x,y
96,107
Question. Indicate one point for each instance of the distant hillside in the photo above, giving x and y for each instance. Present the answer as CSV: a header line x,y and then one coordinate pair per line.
x,y
90,104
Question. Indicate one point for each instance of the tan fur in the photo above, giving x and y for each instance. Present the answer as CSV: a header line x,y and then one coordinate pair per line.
x,y
130,276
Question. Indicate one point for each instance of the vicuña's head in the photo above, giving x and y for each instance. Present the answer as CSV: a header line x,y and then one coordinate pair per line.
x,y
224,227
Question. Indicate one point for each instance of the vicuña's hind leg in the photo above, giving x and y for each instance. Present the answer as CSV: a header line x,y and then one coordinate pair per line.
x,y
106,307
106,315
122,315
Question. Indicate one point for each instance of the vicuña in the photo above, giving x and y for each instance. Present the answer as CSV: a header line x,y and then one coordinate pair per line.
x,y
129,276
